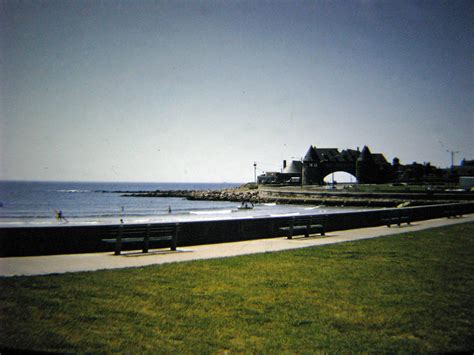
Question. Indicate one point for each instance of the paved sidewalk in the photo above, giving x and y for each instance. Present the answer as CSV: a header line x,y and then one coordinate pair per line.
x,y
41,265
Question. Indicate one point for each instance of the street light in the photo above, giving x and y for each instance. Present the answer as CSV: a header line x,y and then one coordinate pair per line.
x,y
255,171
452,156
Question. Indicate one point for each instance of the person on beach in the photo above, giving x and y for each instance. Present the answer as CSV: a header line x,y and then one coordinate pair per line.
x,y
60,217
169,209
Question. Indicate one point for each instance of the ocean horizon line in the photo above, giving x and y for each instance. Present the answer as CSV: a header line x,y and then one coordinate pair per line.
x,y
123,182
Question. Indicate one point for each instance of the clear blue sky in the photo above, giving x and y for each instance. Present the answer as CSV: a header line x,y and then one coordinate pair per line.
x,y
194,91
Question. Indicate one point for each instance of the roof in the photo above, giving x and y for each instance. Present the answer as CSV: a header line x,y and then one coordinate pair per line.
x,y
365,154
311,155
328,154
295,167
379,158
348,155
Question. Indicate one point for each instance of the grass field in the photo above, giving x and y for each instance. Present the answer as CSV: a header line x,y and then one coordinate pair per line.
x,y
407,293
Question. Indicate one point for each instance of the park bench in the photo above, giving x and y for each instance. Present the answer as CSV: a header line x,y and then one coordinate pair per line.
x,y
303,225
452,212
143,235
397,219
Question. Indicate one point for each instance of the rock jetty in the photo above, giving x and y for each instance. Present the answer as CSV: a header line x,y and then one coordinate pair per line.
x,y
237,194
249,193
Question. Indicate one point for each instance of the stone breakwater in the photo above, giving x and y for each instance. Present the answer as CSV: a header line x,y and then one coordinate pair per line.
x,y
301,198
209,195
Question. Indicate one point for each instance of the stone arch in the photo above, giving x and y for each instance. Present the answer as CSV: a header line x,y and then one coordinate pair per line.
x,y
346,167
340,176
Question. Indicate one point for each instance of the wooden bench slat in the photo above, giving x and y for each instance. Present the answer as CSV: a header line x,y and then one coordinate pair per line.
x,y
138,239
302,227
144,230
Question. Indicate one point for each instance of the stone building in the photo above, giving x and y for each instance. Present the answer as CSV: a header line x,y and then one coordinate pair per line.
x,y
367,167
317,163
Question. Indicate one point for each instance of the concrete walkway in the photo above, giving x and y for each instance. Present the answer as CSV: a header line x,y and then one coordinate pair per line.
x,y
41,265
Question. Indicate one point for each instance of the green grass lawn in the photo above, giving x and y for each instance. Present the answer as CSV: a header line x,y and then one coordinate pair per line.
x,y
406,293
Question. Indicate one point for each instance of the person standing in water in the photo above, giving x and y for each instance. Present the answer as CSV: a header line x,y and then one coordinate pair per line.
x,y
60,217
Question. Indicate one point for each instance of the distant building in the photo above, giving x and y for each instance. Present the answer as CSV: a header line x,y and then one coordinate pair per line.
x,y
320,162
367,167
465,169
466,182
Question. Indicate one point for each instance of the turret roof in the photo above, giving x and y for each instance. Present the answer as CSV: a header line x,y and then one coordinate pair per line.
x,y
365,154
379,158
295,167
311,155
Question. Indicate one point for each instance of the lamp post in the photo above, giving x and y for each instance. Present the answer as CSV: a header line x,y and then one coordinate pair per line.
x,y
453,175
255,171
452,156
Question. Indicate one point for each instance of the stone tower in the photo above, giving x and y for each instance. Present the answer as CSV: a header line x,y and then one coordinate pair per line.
x,y
366,168
310,173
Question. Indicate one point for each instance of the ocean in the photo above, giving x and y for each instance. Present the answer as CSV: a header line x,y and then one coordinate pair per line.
x,y
89,203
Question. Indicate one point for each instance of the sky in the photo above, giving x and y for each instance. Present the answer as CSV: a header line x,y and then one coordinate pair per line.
x,y
197,91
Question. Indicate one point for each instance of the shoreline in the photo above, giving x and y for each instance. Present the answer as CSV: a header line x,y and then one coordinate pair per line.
x,y
308,195
24,241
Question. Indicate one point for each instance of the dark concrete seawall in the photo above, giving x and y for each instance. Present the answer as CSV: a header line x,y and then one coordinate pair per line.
x,y
23,241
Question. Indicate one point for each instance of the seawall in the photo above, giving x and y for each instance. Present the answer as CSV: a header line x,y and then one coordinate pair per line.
x,y
23,241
